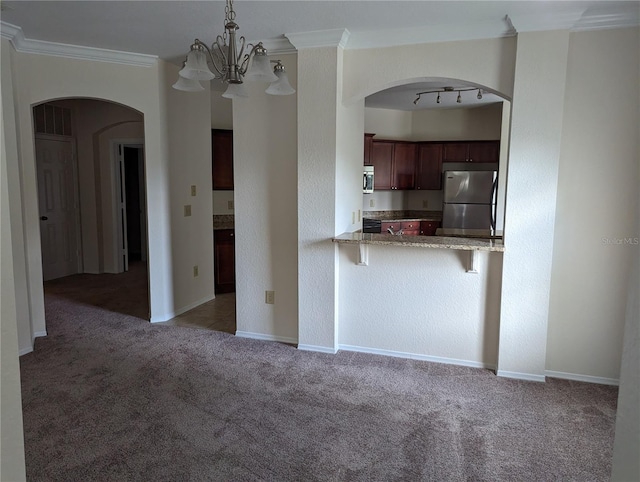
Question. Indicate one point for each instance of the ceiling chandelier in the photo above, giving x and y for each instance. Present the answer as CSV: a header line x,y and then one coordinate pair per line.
x,y
446,90
232,64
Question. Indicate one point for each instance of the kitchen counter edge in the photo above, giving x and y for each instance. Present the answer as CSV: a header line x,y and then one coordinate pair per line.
x,y
437,242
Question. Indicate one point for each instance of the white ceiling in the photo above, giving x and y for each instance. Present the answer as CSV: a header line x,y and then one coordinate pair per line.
x,y
167,28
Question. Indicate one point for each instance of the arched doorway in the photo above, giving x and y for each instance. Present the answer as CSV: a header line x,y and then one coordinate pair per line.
x,y
97,150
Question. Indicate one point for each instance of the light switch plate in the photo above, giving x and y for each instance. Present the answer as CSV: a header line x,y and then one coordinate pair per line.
x,y
270,297
230,205
193,190
187,210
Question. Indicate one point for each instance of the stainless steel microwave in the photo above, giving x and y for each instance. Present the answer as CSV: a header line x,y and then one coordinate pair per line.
x,y
367,179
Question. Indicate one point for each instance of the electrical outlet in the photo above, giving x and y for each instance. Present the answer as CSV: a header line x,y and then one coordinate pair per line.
x,y
425,203
359,215
353,217
195,271
372,203
187,210
193,190
230,205
270,297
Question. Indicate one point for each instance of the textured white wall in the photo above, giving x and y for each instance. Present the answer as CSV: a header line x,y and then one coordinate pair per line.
x,y
14,223
133,86
479,123
265,156
221,111
317,104
597,201
421,302
536,127
12,462
626,465
388,123
486,62
398,280
189,135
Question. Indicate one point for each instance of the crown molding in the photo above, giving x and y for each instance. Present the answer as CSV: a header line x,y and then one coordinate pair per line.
x,y
14,34
606,21
431,34
278,46
545,21
320,38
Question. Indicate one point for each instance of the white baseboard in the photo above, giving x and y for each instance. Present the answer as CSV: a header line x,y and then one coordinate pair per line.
x,y
582,378
417,356
184,309
29,349
521,376
26,350
320,349
262,336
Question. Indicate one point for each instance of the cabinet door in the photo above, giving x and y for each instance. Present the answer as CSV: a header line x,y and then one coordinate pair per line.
x,y
224,261
395,227
428,228
488,151
368,142
429,167
381,158
410,228
455,152
222,159
404,166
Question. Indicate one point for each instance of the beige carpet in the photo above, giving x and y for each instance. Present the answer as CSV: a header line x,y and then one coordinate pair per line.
x,y
108,396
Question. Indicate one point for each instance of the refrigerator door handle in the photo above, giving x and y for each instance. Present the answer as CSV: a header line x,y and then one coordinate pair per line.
x,y
494,207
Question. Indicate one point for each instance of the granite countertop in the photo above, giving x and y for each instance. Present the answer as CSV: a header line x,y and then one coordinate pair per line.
x,y
442,242
399,216
223,221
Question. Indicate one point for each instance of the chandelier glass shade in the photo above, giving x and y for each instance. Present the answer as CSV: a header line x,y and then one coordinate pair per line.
x,y
231,64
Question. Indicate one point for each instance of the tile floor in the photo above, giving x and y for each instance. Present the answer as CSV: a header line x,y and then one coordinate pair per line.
x,y
218,314
127,293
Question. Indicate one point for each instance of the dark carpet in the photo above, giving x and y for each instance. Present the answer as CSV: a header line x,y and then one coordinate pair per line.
x,y
108,396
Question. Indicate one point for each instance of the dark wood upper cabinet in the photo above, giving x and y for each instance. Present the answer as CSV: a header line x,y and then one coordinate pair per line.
x,y
381,159
222,159
484,151
471,151
455,152
368,142
429,167
404,166
394,164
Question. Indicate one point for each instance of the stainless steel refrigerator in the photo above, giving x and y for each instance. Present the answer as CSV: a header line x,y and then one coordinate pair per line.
x,y
469,207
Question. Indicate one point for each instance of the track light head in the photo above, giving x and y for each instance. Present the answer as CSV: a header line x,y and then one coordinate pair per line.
x,y
459,99
479,96
415,102
438,99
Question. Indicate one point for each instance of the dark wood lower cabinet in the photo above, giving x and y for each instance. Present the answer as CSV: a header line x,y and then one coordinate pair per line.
x,y
428,228
224,261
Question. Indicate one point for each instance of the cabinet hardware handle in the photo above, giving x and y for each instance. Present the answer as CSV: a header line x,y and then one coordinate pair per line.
x,y
43,218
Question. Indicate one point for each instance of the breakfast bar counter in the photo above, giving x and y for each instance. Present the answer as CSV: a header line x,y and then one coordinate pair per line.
x,y
441,242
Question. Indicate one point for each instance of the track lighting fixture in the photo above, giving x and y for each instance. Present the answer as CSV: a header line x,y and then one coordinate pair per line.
x,y
445,90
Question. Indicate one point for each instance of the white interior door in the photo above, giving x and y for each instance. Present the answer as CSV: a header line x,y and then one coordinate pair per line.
x,y
58,207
